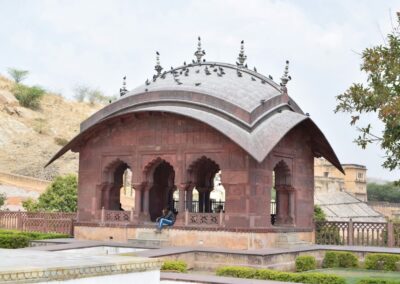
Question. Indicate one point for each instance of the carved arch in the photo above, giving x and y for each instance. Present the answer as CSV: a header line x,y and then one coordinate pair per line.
x,y
107,174
203,168
148,170
283,174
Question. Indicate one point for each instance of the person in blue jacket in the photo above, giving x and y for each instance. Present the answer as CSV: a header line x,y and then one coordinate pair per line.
x,y
167,219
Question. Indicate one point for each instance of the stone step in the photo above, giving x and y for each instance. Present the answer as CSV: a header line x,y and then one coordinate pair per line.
x,y
150,243
152,235
288,240
291,244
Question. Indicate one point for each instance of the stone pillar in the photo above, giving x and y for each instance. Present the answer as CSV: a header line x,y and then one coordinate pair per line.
x,y
202,200
182,200
282,205
106,191
292,202
146,200
207,200
189,198
138,199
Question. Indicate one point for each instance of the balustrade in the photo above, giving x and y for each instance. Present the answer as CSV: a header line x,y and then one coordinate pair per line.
x,y
46,222
357,233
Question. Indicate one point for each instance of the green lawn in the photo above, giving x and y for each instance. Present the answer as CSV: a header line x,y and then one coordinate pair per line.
x,y
352,275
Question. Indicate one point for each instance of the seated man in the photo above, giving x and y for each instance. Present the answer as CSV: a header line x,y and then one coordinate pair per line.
x,y
167,219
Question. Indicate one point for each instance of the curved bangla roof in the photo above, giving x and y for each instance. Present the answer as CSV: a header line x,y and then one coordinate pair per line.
x,y
249,108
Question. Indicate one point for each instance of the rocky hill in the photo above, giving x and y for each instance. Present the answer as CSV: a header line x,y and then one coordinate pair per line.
x,y
28,138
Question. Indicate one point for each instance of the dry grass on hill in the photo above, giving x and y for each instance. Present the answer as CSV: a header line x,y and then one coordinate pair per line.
x,y
28,139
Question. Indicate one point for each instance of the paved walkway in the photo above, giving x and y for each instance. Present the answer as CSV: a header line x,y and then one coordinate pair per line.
x,y
63,244
201,278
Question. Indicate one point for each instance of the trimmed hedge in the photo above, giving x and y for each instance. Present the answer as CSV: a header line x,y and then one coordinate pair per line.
x,y
305,262
381,261
339,259
267,274
174,265
377,281
330,260
13,241
18,239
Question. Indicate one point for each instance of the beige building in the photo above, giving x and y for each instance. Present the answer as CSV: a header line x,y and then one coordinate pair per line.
x,y
328,179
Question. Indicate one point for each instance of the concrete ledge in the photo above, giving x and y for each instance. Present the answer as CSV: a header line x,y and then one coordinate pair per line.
x,y
25,266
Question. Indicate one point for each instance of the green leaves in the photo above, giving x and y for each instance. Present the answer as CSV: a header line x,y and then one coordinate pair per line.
x,y
17,74
381,95
28,97
60,196
3,198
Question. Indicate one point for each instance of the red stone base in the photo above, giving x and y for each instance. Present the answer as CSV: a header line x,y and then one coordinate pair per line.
x,y
244,239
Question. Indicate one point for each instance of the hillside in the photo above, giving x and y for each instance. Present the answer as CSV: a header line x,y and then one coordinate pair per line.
x,y
28,139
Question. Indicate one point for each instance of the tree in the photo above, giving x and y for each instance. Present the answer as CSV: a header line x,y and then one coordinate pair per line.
x,y
380,95
3,198
84,93
17,74
388,192
319,214
60,196
81,92
28,96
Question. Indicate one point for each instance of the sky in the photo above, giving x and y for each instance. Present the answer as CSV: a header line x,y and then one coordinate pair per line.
x,y
95,43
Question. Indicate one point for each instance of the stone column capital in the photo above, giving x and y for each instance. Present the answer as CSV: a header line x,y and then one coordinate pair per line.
x,y
183,186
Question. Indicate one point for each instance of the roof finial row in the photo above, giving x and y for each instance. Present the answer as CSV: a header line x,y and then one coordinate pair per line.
x,y
123,90
199,52
158,67
242,57
285,78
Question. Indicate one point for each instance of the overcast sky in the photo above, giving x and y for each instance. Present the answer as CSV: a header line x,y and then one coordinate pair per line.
x,y
65,43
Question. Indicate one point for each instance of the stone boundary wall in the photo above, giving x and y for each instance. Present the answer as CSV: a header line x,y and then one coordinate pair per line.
x,y
31,183
388,209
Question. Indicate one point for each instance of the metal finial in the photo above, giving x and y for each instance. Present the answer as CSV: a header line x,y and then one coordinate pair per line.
x,y
123,90
242,57
285,78
158,67
199,52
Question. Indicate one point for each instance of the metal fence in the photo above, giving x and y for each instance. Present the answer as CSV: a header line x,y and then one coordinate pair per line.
x,y
215,206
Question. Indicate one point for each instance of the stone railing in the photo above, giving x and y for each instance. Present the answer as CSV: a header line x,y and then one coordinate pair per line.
x,y
204,219
357,233
46,222
115,216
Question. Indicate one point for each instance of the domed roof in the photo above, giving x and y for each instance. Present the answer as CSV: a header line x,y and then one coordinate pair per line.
x,y
247,107
240,86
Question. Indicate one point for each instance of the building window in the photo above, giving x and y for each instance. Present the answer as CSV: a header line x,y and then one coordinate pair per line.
x,y
326,174
360,176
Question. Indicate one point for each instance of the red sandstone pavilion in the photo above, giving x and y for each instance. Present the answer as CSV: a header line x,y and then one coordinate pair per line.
x,y
176,132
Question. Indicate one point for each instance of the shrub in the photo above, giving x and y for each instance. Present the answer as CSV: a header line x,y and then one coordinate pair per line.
x,y
381,261
339,259
175,265
18,239
267,274
13,241
347,260
377,281
28,97
305,262
60,196
330,260
319,214
60,141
